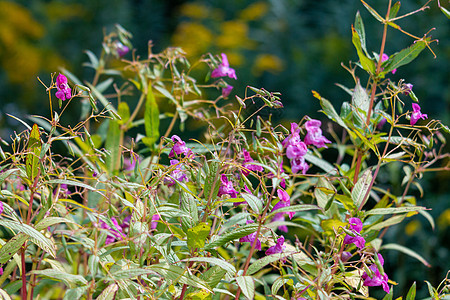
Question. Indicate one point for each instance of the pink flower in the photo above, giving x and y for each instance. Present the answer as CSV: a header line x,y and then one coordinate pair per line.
x,y
381,123
179,147
115,233
285,201
63,90
247,164
314,135
129,163
299,164
224,69
407,88
278,248
121,49
355,227
227,187
154,222
385,57
377,278
416,115
251,238
1,207
226,91
177,174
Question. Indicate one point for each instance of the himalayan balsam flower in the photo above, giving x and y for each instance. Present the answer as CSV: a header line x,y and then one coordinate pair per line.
x,y
285,201
355,227
224,69
226,91
314,135
407,88
385,57
121,49
63,90
154,222
416,115
295,150
381,123
179,147
377,279
114,233
251,238
177,174
248,166
1,207
226,187
278,248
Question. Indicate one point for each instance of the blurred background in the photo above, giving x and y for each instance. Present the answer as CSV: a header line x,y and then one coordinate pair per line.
x,y
289,46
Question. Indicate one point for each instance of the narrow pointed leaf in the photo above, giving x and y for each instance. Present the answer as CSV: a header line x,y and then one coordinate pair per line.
x,y
359,27
247,286
406,55
34,150
232,235
112,144
151,118
361,187
215,261
373,12
366,62
394,10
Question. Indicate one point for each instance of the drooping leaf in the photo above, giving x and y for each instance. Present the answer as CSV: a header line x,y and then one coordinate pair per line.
x,y
321,163
213,275
189,206
151,118
34,150
49,221
70,280
329,110
407,251
360,99
406,55
293,208
247,286
212,180
388,222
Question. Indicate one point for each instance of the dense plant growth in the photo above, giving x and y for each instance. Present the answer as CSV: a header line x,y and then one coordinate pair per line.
x,y
134,211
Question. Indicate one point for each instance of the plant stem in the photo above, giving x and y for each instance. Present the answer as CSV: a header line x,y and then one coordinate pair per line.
x,y
24,271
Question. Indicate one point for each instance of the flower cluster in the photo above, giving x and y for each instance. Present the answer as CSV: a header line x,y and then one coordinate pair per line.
x,y
377,276
176,174
248,166
226,187
224,70
416,115
295,150
355,238
63,90
179,147
314,135
279,247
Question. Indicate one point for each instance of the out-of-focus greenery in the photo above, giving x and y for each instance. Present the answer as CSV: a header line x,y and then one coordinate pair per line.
x,y
291,46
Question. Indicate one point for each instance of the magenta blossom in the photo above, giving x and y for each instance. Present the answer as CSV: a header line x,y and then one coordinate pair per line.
x,y
63,90
154,222
272,175
248,166
224,69
407,88
251,238
381,123
299,164
377,277
129,163
177,174
226,91
385,57
115,233
1,207
227,187
295,150
278,248
416,115
121,49
314,135
179,147
355,227
285,201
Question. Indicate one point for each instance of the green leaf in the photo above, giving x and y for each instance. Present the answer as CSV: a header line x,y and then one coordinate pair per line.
x,y
254,202
329,110
4,295
108,106
12,247
213,275
359,27
151,118
389,222
394,10
412,292
321,163
293,208
247,286
432,291
124,113
233,235
34,150
93,59
366,62
197,235
360,99
406,251
268,259
71,183
361,187
212,176
49,221
323,192
35,236
112,144
406,55
445,12
189,206
70,280
76,293
177,274
109,293
373,12
215,261
394,210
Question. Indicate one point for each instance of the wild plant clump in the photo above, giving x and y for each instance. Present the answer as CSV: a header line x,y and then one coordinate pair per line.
x,y
169,189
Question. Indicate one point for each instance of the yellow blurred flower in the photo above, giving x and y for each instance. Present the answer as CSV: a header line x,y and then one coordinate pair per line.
x,y
194,38
267,62
412,227
444,219
254,11
194,10
234,35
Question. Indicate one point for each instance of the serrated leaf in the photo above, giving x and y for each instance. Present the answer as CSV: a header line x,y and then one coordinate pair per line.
x,y
215,261
151,118
394,210
361,188
212,176
233,235
213,276
12,247
34,150
35,236
69,280
197,235
70,182
406,55
247,286
49,221
109,293
329,110
254,202
293,208
189,206
407,251
179,275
